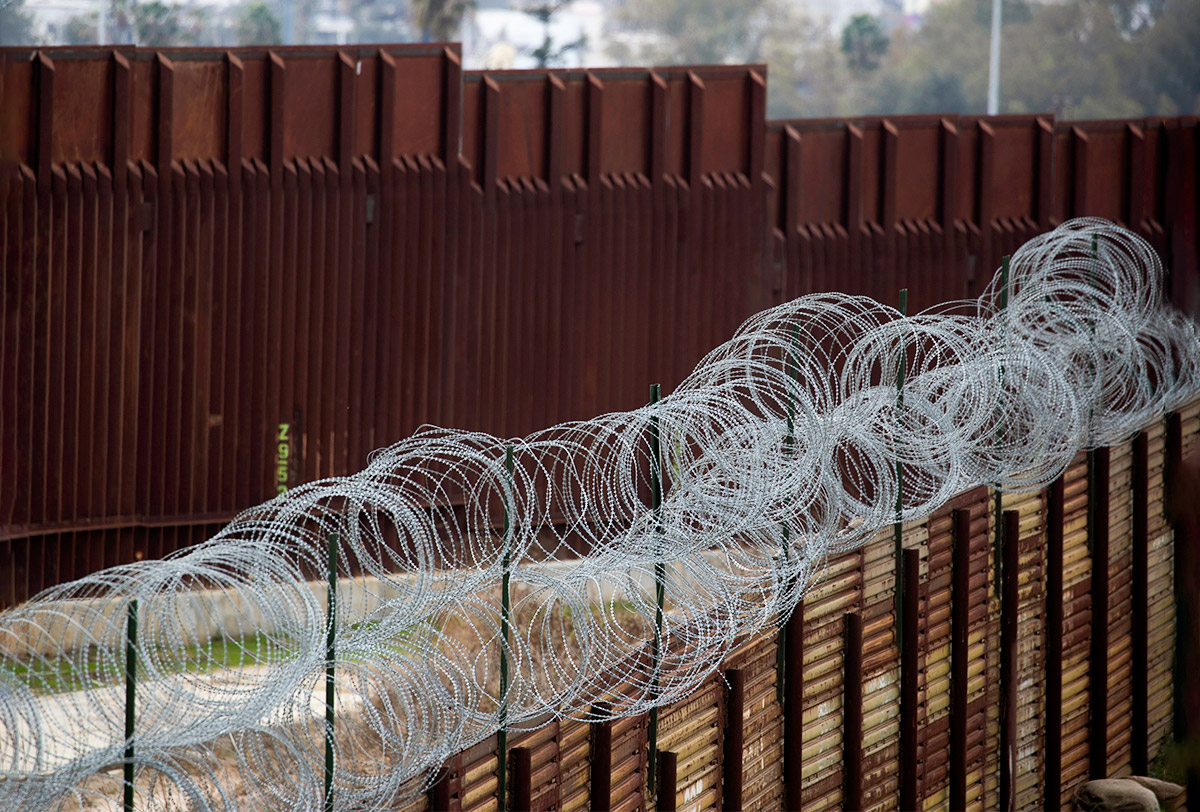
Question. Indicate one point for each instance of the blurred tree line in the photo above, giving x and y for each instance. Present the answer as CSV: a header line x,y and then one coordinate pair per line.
x,y
1075,59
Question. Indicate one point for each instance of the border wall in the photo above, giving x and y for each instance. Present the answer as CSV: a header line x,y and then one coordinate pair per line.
x,y
229,272
1016,671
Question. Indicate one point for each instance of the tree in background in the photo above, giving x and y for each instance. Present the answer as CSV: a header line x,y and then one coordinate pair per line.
x,y
547,54
256,25
864,43
1168,57
439,20
1075,59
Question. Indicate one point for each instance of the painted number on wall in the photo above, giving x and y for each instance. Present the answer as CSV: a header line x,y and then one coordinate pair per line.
x,y
283,454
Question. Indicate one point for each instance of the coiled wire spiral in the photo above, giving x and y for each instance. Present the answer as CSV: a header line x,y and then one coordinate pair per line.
x,y
778,450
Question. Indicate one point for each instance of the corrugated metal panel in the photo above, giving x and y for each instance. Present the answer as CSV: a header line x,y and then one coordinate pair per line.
x,y
933,679
574,759
1161,597
1031,625
881,674
629,740
692,728
1076,640
1120,610
763,728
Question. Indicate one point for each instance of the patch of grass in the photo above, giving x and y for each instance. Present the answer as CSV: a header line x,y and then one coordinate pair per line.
x,y
63,675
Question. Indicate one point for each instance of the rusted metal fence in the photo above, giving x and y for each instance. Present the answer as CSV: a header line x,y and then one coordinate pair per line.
x,y
226,273
1018,669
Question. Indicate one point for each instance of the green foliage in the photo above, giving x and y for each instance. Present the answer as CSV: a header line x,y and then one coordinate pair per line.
x,y
256,25
864,43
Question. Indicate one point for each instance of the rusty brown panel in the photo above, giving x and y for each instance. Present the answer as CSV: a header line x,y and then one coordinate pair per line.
x,y
18,103
310,118
918,151
627,111
418,107
1108,181
521,123
1012,190
83,96
727,128
200,108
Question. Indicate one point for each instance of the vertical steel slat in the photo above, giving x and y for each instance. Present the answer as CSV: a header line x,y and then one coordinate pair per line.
x,y
1009,611
1139,633
208,372
959,651
522,773
1098,512
852,710
107,382
732,767
793,709
668,782
1052,796
601,771
910,644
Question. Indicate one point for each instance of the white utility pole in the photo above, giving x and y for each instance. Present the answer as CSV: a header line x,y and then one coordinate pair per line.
x,y
993,101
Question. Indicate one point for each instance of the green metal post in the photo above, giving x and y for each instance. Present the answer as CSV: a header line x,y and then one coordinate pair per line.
x,y
330,656
131,633
898,525
502,734
660,577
